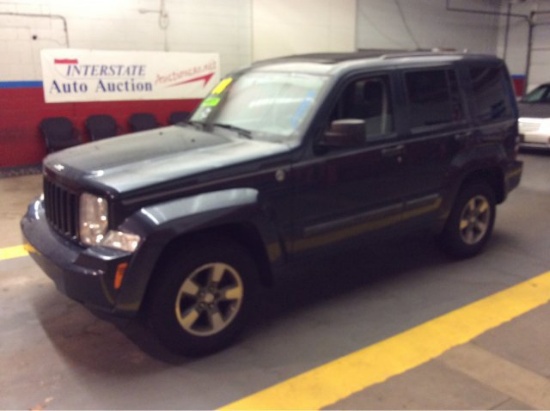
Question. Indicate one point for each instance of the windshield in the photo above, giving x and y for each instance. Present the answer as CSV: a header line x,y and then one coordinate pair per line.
x,y
264,105
539,95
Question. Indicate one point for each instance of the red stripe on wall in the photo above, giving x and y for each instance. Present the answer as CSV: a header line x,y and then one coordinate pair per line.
x,y
23,108
65,61
519,85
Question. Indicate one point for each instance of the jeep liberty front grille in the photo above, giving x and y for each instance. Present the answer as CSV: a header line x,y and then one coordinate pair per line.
x,y
61,208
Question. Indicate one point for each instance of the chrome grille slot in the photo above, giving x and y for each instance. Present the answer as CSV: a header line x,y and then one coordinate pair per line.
x,y
61,207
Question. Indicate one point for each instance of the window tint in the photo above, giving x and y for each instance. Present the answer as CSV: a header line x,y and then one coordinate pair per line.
x,y
490,93
433,97
368,99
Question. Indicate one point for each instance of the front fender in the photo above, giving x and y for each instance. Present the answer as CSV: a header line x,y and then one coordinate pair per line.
x,y
160,224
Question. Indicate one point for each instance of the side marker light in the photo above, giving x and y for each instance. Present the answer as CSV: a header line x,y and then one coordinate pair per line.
x,y
119,275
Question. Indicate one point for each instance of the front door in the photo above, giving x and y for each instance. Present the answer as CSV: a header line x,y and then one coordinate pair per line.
x,y
343,193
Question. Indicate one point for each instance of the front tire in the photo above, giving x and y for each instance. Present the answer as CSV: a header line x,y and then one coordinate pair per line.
x,y
204,296
470,224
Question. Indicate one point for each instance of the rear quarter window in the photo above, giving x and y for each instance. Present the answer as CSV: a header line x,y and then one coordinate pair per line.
x,y
491,94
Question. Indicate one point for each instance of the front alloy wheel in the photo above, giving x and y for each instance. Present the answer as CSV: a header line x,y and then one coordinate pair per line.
x,y
209,299
202,295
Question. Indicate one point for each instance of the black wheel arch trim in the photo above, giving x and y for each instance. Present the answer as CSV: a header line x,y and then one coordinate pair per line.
x,y
501,173
233,210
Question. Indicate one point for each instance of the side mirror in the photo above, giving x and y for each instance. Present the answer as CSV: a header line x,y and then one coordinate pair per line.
x,y
348,132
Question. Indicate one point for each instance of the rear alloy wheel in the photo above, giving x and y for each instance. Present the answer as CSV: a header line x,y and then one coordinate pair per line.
x,y
474,220
203,296
471,221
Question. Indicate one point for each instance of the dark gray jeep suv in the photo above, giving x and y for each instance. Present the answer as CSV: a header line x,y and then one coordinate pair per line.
x,y
288,159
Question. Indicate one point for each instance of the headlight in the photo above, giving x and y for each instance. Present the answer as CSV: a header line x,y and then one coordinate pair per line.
x,y
94,219
94,222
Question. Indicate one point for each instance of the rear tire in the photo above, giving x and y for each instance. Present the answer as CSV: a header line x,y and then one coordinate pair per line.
x,y
470,224
204,296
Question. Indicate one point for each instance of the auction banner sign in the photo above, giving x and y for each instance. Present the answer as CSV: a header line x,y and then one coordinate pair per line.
x,y
71,75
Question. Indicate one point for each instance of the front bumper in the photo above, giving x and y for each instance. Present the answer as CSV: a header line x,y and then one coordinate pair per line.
x,y
83,274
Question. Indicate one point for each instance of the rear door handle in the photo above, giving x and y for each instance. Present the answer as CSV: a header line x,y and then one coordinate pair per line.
x,y
462,136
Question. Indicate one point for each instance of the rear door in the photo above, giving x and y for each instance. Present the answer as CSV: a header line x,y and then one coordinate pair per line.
x,y
437,129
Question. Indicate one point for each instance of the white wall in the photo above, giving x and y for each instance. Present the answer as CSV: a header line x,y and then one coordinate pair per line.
x,y
243,31
516,50
222,26
411,24
240,30
285,27
540,57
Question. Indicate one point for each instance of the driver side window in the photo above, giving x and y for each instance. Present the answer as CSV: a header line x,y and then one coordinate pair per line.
x,y
367,99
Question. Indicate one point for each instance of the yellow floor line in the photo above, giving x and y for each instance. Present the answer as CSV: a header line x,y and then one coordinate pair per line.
x,y
345,376
12,252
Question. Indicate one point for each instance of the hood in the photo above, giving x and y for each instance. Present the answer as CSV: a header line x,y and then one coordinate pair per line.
x,y
133,161
534,110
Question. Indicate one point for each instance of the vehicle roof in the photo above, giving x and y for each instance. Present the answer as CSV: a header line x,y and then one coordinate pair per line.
x,y
331,63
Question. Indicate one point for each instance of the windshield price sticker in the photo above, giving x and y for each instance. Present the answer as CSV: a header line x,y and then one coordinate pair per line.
x,y
211,102
220,88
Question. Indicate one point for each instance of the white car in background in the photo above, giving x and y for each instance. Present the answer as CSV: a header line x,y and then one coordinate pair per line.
x,y
534,118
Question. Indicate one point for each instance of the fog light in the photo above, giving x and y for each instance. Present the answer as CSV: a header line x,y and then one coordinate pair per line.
x,y
121,240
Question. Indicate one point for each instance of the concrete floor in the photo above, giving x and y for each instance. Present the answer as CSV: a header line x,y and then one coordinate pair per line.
x,y
55,354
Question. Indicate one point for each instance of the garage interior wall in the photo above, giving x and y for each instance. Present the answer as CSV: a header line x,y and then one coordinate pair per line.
x,y
286,27
27,26
242,31
152,25
426,24
516,45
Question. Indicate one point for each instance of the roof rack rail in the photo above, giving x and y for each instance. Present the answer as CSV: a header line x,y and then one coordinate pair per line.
x,y
422,53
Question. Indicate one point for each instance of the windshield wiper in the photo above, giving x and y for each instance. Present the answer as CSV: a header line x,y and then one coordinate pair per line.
x,y
199,125
242,131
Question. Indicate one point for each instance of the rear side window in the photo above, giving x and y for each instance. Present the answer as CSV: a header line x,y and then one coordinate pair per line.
x,y
490,87
433,97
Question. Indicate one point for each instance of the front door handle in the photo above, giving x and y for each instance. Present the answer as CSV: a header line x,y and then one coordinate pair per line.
x,y
393,151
